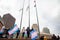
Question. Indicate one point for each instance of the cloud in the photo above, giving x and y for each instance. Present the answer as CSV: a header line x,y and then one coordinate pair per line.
x,y
48,10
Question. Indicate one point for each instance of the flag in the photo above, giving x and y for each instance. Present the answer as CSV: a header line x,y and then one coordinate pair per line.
x,y
13,30
33,34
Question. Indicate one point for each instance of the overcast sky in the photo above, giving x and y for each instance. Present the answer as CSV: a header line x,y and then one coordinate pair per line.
x,y
48,13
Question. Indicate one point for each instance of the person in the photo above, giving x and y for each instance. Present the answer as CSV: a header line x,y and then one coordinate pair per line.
x,y
33,34
23,31
58,37
45,38
18,33
5,34
31,29
54,37
28,31
42,37
1,28
25,35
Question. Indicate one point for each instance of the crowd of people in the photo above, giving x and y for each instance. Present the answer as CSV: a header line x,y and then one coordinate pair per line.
x,y
52,38
29,33
25,33
7,33
4,31
55,37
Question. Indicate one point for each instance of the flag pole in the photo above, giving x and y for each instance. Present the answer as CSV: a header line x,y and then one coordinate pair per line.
x,y
37,18
22,15
29,13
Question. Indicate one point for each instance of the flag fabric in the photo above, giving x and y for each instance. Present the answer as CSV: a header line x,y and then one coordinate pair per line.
x,y
33,34
13,29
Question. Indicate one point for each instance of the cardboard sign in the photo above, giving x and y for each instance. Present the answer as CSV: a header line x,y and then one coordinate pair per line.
x,y
8,20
